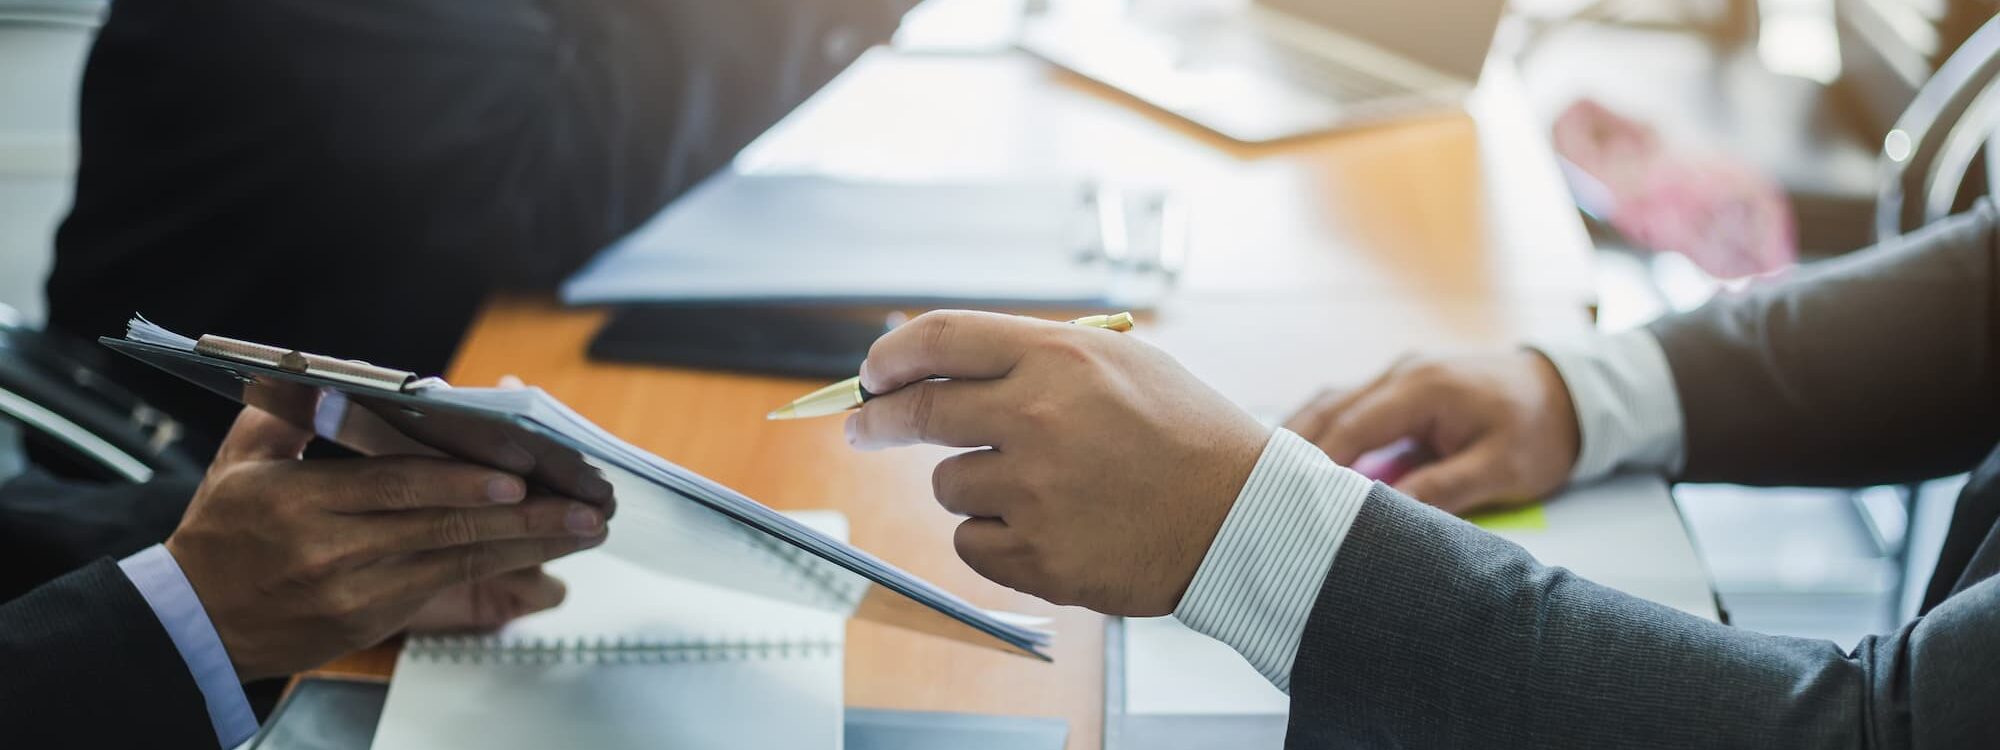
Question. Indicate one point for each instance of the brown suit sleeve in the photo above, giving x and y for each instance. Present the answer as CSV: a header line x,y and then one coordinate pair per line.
x,y
1870,369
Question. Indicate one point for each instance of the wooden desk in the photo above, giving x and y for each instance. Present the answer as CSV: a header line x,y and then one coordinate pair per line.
x,y
1311,263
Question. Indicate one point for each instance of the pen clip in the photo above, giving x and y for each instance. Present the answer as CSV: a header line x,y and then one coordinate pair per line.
x,y
347,371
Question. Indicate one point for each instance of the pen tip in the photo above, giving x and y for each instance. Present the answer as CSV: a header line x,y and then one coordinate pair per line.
x,y
783,412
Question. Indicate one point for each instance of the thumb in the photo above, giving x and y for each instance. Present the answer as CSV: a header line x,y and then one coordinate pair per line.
x,y
1461,482
489,603
258,435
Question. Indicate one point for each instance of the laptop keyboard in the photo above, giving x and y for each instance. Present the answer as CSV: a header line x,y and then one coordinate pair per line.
x,y
1329,76
1247,46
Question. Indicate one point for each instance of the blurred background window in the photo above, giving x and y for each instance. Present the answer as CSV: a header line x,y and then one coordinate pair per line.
x,y
42,48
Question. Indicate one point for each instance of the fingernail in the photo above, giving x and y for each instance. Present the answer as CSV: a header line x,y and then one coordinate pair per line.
x,y
583,521
506,489
847,428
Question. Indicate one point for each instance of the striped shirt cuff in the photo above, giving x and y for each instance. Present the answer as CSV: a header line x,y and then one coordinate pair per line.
x,y
167,591
1256,588
1628,414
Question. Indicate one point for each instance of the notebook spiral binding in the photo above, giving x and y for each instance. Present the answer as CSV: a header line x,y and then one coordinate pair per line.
x,y
836,589
488,649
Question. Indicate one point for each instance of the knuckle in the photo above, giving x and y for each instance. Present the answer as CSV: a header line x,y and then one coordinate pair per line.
x,y
317,561
923,408
1068,349
1427,374
1041,411
343,604
454,528
475,563
394,489
935,335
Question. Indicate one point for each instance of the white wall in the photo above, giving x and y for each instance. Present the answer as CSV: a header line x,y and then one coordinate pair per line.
x,y
42,48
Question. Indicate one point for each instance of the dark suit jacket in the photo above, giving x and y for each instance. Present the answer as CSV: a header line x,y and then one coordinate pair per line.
x,y
356,176
1879,367
49,526
83,660
85,663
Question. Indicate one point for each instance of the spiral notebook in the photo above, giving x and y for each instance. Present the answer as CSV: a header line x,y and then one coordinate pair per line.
x,y
632,659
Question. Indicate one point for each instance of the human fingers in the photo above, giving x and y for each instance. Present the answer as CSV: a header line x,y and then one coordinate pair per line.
x,y
1311,419
1378,418
401,483
490,603
952,344
423,574
995,552
543,517
1461,482
260,435
973,484
957,413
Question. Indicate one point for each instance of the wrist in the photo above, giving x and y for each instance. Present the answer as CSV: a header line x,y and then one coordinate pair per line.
x,y
1562,430
1237,461
161,580
1257,582
1622,401
195,571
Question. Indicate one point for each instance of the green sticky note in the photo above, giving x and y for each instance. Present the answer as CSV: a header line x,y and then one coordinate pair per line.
x,y
1524,518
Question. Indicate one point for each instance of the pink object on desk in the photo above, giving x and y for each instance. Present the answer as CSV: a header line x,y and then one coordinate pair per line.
x,y
1390,463
1728,218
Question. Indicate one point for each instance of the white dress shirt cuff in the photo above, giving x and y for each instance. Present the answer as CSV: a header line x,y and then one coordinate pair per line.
x,y
1256,587
1627,411
166,589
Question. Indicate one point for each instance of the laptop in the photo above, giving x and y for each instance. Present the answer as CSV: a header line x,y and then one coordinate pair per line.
x,y
1281,69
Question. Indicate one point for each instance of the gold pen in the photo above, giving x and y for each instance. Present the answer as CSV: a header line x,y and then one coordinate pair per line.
x,y
848,394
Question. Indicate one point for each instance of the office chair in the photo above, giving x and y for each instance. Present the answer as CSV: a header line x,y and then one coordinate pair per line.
x,y
1942,154
1938,158
75,423
80,424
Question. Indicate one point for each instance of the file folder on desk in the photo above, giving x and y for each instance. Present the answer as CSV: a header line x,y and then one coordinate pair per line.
x,y
693,527
819,239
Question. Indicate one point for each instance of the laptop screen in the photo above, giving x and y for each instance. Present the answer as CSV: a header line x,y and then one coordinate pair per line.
x,y
1451,36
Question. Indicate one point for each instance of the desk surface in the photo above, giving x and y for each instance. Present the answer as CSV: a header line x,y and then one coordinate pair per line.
x,y
1311,263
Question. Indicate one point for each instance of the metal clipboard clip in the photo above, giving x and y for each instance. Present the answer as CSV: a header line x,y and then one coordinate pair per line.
x,y
347,371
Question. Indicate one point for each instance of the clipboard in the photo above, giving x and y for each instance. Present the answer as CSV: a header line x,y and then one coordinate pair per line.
x,y
667,518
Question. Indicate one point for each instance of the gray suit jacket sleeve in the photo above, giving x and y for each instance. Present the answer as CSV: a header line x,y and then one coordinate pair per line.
x,y
1872,369
1431,633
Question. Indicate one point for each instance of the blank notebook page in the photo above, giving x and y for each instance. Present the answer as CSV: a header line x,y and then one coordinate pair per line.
x,y
632,659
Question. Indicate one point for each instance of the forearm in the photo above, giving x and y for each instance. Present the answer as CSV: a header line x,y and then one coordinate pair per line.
x,y
178,608
1424,631
1874,368
1434,633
